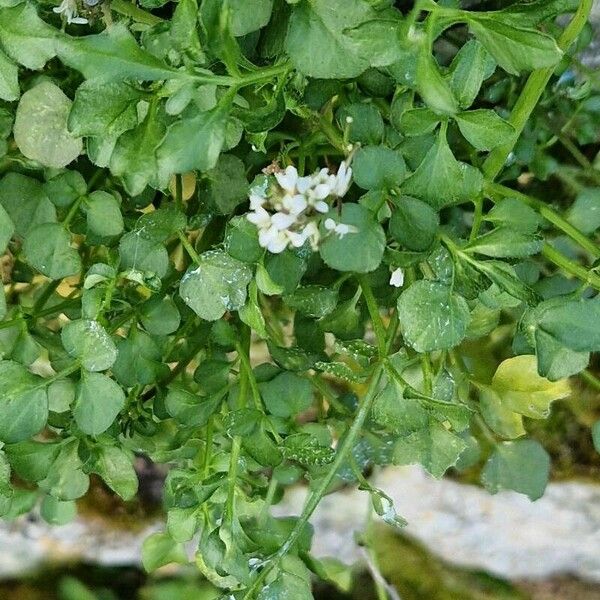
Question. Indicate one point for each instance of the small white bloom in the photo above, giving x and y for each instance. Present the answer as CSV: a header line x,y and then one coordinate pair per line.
x,y
349,120
341,229
321,206
320,191
342,180
260,217
68,8
303,184
295,204
282,221
311,233
257,200
278,244
397,278
288,179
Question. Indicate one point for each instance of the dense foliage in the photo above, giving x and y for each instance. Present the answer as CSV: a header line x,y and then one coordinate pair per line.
x,y
274,241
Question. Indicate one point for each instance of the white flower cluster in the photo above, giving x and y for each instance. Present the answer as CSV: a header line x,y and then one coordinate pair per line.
x,y
289,212
68,8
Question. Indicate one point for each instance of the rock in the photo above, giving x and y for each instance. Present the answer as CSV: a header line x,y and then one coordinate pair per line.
x,y
505,534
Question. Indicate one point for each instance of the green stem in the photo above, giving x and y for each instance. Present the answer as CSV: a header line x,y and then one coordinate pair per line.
x,y
236,447
532,92
45,295
343,452
188,247
129,9
245,360
547,213
571,267
373,308
477,218
590,379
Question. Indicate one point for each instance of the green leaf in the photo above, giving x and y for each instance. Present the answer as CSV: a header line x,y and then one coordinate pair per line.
x,y
471,66
141,254
313,300
32,460
287,395
317,42
432,87
160,316
441,180
306,449
515,48
216,285
432,316
98,401
25,37
246,16
414,223
484,128
160,549
139,360
596,435
555,361
57,512
191,410
241,242
378,40
286,586
88,341
251,314
25,202
40,128
65,479
103,109
434,447
9,79
112,55
225,186
7,229
116,469
47,248
506,242
364,122
23,402
193,142
65,188
522,466
61,394
515,214
418,121
502,420
585,211
104,217
576,324
378,167
134,158
359,251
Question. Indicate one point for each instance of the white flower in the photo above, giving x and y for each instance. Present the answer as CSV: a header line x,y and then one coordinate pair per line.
x,y
321,207
260,217
68,8
340,228
282,221
340,183
295,204
397,278
257,200
288,179
273,240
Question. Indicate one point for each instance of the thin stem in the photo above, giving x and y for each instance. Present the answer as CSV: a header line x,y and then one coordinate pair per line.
x,y
547,213
427,373
236,447
373,308
532,92
590,379
188,247
571,267
343,452
245,360
45,295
